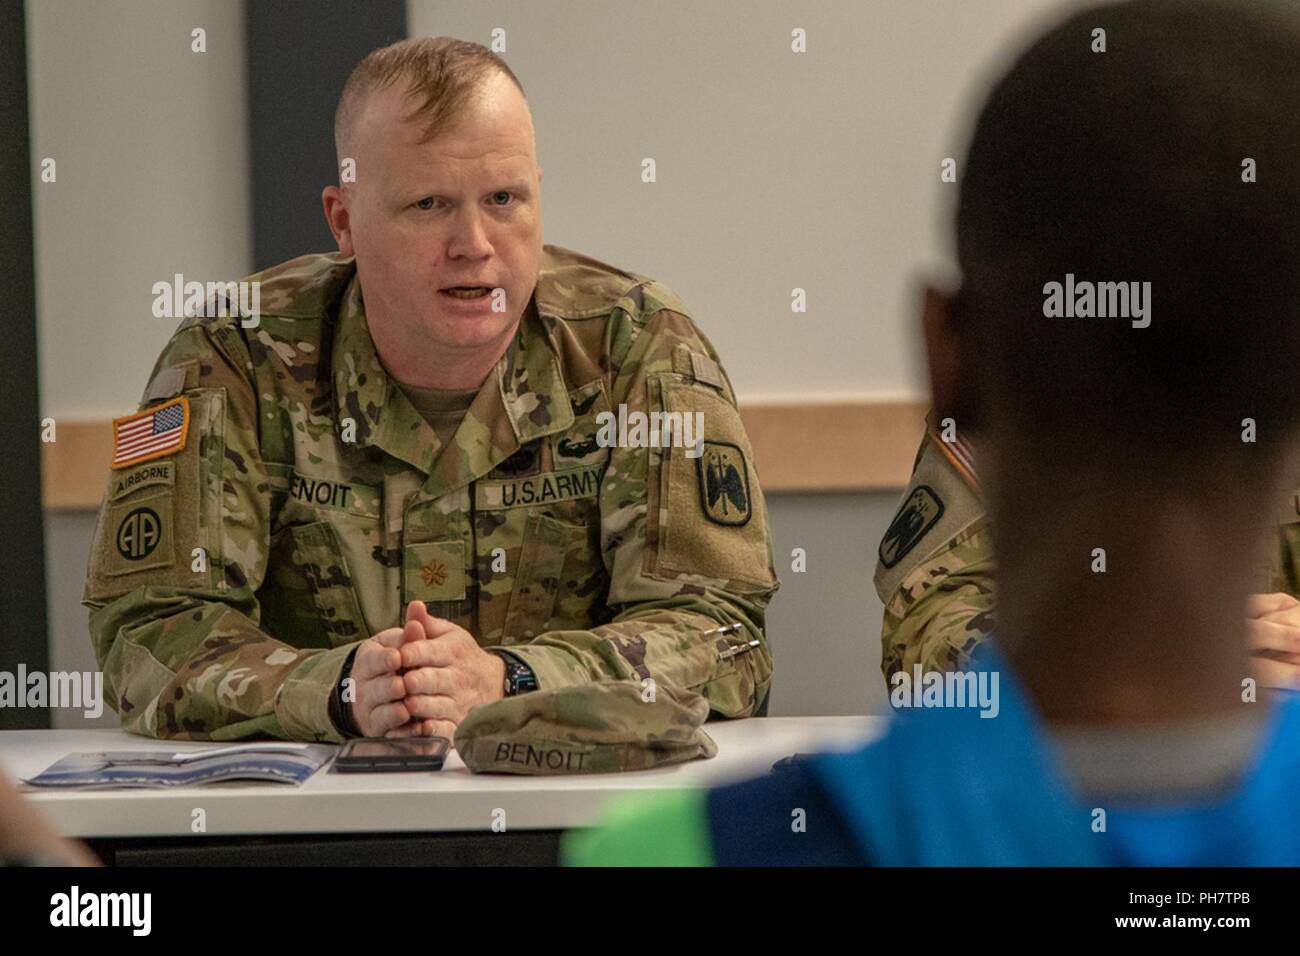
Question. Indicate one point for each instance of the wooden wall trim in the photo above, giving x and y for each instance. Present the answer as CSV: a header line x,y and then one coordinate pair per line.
x,y
798,447
74,467
834,446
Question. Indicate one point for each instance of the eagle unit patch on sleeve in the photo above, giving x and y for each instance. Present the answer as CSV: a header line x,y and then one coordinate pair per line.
x,y
724,484
920,512
150,434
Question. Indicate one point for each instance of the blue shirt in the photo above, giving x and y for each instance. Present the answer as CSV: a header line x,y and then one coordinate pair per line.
x,y
946,786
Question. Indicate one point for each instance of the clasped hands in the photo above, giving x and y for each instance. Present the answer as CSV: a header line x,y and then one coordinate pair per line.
x,y
421,679
1273,622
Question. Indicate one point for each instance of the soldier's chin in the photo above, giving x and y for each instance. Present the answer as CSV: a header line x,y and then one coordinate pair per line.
x,y
470,330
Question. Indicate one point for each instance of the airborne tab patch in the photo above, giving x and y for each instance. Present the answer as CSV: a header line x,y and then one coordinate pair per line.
x,y
724,483
919,513
152,433
145,476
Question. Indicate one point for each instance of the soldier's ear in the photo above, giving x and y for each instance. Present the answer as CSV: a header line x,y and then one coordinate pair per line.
x,y
336,216
951,349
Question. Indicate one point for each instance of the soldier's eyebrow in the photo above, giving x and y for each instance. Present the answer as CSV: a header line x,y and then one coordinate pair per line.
x,y
517,185
416,193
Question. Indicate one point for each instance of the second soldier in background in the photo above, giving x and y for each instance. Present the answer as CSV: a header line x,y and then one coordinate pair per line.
x,y
935,571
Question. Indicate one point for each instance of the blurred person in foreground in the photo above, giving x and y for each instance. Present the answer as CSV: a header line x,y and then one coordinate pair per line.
x,y
1130,499
27,840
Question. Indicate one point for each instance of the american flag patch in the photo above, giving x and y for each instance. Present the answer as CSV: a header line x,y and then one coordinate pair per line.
x,y
962,458
152,433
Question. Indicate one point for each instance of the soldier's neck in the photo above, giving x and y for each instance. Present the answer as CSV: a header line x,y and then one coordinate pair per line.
x,y
411,364
1122,609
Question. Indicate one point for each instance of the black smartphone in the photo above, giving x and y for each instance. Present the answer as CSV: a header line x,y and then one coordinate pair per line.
x,y
392,754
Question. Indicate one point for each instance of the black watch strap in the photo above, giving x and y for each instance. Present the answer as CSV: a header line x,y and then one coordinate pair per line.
x,y
520,678
341,712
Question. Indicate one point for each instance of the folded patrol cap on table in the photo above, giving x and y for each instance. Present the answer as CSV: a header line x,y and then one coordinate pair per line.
x,y
585,728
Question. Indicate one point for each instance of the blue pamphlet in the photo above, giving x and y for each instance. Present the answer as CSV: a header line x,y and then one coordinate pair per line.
x,y
272,762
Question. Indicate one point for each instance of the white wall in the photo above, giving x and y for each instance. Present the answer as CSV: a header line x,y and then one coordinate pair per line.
x,y
151,148
775,170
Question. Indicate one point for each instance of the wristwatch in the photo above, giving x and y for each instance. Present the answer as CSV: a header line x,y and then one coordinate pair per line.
x,y
520,678
340,712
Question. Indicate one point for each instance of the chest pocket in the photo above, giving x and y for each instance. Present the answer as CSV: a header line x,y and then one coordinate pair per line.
x,y
328,576
311,601
537,541
546,547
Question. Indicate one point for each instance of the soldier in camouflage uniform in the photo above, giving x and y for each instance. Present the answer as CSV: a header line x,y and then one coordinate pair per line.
x,y
310,502
935,571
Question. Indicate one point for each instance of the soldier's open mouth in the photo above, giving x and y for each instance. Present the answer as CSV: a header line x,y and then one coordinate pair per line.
x,y
466,292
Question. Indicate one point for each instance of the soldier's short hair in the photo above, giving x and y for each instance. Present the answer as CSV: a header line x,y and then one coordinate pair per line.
x,y
1131,165
443,73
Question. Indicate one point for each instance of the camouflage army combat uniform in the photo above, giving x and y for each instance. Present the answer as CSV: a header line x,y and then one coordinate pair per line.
x,y
230,578
935,569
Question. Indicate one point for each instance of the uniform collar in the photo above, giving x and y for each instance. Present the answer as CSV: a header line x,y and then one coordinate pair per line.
x,y
524,397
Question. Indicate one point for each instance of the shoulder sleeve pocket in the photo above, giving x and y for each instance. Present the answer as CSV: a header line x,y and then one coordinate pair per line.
x,y
710,518
150,529
937,508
